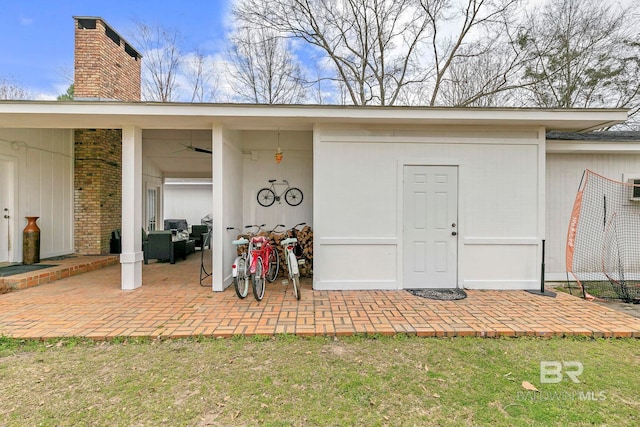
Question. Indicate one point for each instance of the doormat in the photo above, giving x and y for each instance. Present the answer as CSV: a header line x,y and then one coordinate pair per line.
x,y
12,270
439,294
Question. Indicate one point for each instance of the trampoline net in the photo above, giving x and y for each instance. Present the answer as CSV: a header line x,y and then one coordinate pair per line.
x,y
603,241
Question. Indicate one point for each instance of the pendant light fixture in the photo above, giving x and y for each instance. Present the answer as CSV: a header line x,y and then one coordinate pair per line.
x,y
278,151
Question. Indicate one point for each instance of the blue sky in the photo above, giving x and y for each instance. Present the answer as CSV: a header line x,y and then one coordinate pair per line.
x,y
38,35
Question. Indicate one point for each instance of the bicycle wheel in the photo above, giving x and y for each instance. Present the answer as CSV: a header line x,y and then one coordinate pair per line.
x,y
296,285
266,197
293,196
258,281
241,281
274,266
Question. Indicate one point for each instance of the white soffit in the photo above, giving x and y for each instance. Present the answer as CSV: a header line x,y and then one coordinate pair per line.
x,y
114,115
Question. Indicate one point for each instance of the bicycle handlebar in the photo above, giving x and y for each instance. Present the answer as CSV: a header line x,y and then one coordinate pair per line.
x,y
260,226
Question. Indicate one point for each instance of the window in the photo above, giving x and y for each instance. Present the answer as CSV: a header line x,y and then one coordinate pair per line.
x,y
635,191
633,181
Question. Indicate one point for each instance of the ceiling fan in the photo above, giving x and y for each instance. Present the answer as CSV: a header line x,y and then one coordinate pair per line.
x,y
190,147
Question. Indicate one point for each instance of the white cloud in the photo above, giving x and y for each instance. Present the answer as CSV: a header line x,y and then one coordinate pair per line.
x,y
45,97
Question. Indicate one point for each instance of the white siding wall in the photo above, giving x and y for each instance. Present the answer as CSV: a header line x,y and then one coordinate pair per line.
x,y
358,199
192,202
564,172
259,166
43,175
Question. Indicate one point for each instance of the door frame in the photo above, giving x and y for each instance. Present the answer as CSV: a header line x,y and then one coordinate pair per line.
x,y
401,163
12,186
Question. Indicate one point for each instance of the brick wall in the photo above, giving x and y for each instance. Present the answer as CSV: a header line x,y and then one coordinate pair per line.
x,y
106,67
97,188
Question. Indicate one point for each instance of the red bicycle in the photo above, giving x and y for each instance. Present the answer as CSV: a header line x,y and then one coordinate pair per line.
x,y
264,262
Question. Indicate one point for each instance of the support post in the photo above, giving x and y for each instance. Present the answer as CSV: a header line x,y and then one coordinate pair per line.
x,y
132,256
218,231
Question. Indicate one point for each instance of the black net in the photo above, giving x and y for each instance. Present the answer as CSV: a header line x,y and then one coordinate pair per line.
x,y
603,244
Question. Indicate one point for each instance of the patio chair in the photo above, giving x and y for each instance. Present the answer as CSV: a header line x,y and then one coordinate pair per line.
x,y
175,224
115,242
160,245
197,234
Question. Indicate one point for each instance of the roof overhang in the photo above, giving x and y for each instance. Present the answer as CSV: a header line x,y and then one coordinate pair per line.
x,y
594,142
115,115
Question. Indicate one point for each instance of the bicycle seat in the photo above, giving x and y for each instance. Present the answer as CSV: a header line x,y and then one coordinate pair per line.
x,y
242,241
272,180
290,240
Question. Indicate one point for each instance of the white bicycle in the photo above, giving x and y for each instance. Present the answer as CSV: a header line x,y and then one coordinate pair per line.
x,y
240,267
290,245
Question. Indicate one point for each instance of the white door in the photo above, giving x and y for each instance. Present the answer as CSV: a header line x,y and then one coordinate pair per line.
x,y
430,226
6,208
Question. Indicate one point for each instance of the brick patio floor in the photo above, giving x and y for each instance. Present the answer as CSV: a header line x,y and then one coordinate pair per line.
x,y
171,303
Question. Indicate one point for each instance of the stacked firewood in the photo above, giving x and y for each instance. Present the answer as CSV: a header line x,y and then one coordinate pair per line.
x,y
305,240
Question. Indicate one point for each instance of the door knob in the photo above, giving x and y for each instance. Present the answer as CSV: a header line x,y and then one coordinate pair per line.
x,y
453,233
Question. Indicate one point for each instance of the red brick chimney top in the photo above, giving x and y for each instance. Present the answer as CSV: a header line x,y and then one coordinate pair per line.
x,y
107,67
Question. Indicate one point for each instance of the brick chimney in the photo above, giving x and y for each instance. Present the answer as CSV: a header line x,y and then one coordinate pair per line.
x,y
107,67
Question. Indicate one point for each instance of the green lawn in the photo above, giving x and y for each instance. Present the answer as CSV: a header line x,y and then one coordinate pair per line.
x,y
366,381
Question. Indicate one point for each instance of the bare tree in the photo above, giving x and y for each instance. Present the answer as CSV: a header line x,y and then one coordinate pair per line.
x,y
386,51
200,76
479,81
584,53
263,69
161,61
470,52
321,92
66,73
9,89
372,45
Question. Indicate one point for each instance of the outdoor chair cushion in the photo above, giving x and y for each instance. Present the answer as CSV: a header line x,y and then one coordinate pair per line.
x,y
176,224
160,246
